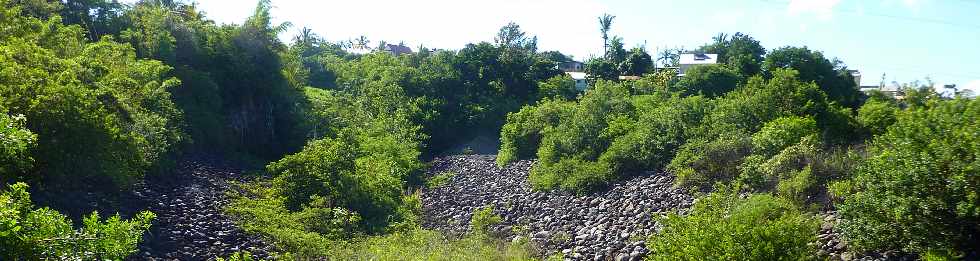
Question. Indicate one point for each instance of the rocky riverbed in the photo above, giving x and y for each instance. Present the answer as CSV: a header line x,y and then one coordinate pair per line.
x,y
190,224
606,225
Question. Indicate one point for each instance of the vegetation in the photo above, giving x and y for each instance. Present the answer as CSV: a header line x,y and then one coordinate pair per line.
x,y
95,95
918,189
29,233
724,226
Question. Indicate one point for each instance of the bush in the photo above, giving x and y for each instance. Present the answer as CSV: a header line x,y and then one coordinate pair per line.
x,y
918,190
363,174
27,233
725,226
483,219
702,162
781,133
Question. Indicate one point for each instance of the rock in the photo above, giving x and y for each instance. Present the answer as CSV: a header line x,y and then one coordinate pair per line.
x,y
592,225
623,257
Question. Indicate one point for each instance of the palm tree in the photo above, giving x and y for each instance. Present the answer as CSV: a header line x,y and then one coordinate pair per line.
x,y
605,22
362,42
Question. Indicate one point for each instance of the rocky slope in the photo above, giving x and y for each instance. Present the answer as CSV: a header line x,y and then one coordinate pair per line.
x,y
190,224
607,225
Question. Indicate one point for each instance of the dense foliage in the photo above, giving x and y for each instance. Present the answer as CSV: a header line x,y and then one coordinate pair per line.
x,y
99,113
918,191
29,233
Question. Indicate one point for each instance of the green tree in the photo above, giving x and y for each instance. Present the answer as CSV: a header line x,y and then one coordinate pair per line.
x,y
605,23
708,80
740,52
637,63
601,69
832,76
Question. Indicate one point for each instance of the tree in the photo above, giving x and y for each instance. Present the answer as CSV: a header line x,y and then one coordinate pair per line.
x,y
616,53
709,80
605,23
637,63
601,69
511,36
670,57
832,77
741,52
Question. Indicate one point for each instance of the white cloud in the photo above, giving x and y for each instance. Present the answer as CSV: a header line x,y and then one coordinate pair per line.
x,y
823,9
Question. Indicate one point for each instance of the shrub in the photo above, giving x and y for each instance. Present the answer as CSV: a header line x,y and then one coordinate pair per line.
x,y
101,115
764,173
27,233
483,219
351,172
918,190
782,132
760,101
725,226
702,162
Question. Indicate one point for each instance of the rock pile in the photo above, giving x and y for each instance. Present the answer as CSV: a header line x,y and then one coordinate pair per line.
x,y
606,225
190,224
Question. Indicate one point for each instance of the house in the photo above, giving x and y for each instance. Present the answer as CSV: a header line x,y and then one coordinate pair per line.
x,y
397,50
571,66
688,60
894,90
580,80
857,77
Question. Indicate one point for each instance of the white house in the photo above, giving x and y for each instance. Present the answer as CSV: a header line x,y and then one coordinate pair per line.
x,y
688,60
580,83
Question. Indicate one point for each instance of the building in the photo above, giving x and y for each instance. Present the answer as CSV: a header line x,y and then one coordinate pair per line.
x,y
397,50
580,80
857,77
688,60
571,66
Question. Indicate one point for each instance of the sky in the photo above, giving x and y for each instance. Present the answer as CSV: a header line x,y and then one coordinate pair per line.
x,y
907,40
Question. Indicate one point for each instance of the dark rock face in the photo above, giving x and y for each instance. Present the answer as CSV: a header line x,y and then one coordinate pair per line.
x,y
190,224
606,225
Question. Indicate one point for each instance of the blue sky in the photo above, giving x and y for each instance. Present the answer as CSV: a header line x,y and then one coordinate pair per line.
x,y
906,39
